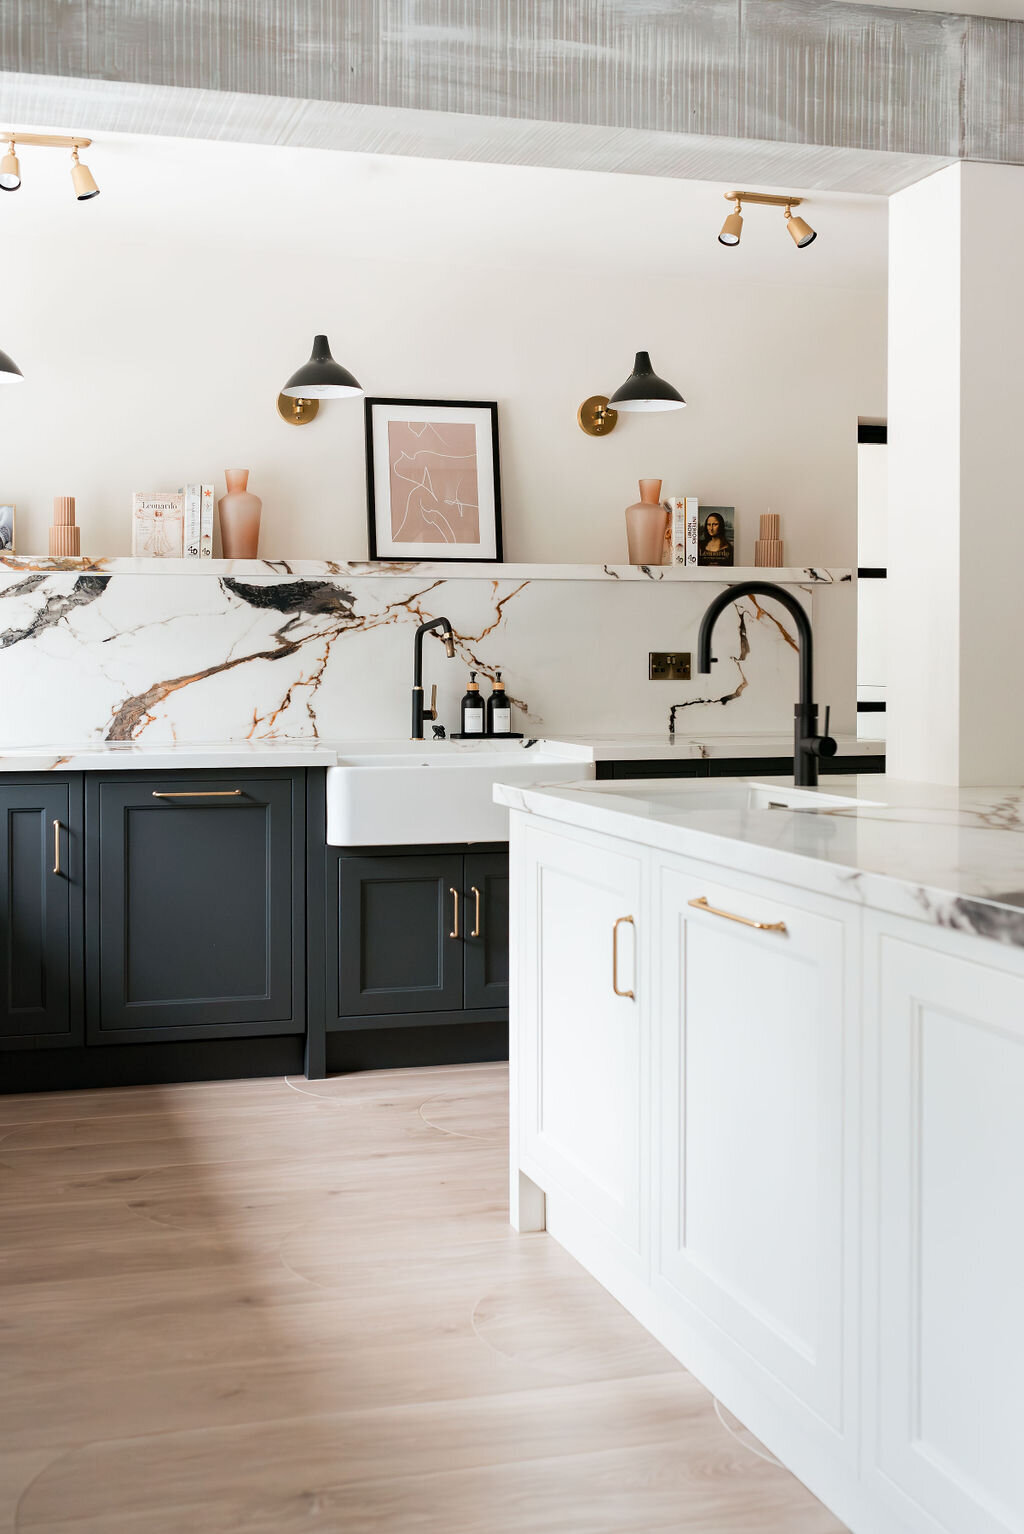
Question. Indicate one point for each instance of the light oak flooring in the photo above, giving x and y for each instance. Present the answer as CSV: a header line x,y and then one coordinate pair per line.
x,y
263,1308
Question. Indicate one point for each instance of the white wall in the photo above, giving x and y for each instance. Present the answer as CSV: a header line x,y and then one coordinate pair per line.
x,y
156,324
956,530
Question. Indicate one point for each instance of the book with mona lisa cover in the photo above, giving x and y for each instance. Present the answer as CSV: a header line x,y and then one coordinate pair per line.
x,y
716,535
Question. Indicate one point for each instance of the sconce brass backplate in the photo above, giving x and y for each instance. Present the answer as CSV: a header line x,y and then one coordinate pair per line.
x,y
297,412
595,418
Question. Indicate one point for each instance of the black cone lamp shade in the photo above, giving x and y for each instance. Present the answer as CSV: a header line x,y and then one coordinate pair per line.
x,y
321,377
10,372
644,390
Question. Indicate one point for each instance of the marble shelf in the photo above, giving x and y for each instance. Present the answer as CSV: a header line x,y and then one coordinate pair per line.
x,y
325,569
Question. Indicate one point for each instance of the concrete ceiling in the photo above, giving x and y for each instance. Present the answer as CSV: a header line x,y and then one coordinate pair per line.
x,y
1007,10
827,92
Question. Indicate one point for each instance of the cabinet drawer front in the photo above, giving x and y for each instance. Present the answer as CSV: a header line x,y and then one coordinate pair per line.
x,y
192,911
393,951
945,1237
580,1044
751,1148
40,856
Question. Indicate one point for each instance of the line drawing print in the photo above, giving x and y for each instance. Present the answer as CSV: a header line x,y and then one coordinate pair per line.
x,y
433,482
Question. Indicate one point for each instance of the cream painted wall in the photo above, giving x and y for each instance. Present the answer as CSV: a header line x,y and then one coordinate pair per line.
x,y
156,324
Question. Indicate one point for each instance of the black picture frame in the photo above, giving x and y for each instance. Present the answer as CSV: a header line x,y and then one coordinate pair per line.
x,y
440,552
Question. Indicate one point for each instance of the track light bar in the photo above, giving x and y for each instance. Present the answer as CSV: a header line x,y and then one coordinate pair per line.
x,y
800,230
81,177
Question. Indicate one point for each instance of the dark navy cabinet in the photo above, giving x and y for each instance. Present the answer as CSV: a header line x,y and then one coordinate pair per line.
x,y
195,905
40,911
416,936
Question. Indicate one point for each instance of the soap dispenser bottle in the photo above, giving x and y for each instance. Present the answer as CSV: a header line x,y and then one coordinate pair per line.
x,y
499,709
473,708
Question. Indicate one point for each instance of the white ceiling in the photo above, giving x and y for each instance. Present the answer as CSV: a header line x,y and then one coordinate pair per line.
x,y
240,198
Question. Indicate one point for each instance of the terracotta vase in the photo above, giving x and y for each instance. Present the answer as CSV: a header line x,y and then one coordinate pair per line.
x,y
239,517
645,525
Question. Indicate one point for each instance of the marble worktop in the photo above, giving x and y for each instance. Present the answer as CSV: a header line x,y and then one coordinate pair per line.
x,y
953,857
142,755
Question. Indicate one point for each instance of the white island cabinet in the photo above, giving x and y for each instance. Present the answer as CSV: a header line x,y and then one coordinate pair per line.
x,y
795,1153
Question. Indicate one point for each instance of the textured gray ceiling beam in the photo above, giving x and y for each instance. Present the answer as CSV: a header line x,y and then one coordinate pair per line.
x,y
96,107
811,72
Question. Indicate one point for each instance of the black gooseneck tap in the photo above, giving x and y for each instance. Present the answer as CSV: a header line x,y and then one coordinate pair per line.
x,y
808,745
419,713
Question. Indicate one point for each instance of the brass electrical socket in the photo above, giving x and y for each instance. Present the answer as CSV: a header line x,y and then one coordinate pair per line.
x,y
669,666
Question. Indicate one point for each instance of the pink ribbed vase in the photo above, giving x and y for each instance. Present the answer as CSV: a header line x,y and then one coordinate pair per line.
x,y
646,521
239,517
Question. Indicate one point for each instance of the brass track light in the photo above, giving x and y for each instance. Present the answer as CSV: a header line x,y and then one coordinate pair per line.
x,y
800,231
10,170
81,178
733,226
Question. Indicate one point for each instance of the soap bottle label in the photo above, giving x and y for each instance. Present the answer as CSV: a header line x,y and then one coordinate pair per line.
x,y
501,721
473,721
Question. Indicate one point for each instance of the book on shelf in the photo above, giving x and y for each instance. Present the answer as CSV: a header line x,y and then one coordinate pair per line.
x,y
683,513
158,524
206,522
193,518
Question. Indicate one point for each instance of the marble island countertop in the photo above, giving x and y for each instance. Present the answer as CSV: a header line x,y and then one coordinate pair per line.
x,y
952,857
140,755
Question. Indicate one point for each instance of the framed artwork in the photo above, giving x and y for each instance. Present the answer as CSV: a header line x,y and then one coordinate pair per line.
x,y
716,535
6,529
433,485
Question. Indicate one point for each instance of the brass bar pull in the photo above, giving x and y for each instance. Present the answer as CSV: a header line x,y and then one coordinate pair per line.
x,y
615,957
701,904
476,928
455,928
56,847
198,793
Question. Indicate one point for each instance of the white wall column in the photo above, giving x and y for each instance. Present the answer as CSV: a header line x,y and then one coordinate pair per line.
x,y
956,477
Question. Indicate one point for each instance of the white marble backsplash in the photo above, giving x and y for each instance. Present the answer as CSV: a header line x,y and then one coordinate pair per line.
x,y
92,656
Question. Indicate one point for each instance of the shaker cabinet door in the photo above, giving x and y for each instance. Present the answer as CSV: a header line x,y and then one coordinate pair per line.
x,y
754,1241
195,906
580,1025
396,940
486,935
944,1231
40,913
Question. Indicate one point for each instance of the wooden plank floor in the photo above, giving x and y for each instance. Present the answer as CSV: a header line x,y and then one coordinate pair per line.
x,y
262,1307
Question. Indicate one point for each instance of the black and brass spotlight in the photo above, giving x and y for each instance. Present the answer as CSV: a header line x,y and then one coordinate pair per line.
x,y
10,170
800,231
733,226
81,178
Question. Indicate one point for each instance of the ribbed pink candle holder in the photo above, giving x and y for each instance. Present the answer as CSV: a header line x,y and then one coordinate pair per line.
x,y
65,537
768,548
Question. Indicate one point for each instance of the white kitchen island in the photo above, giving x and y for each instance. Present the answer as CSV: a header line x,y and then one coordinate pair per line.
x,y
768,1086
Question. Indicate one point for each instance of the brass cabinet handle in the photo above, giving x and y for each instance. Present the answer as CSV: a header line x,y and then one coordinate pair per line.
x,y
198,793
56,847
701,904
476,895
455,929
615,956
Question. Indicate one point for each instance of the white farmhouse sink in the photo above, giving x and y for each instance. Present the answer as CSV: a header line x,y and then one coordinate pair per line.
x,y
404,793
